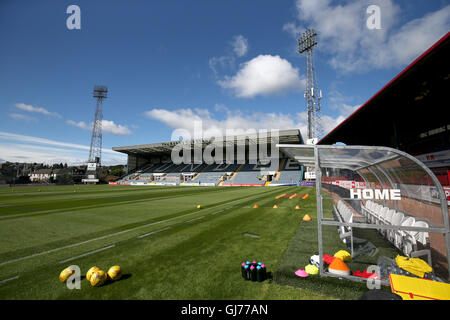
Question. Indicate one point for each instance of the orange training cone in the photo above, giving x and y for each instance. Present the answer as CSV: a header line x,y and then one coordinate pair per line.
x,y
255,206
275,207
338,267
297,207
306,217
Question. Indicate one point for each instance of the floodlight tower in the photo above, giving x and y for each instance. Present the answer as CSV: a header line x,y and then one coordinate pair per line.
x,y
95,151
313,94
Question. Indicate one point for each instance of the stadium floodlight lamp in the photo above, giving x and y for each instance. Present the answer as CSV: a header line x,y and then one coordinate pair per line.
x,y
100,91
307,40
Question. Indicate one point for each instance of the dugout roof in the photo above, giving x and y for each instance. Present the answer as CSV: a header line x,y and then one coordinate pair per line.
x,y
402,113
165,148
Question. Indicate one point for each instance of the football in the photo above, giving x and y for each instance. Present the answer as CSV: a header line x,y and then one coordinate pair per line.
x,y
115,273
98,278
65,274
315,260
90,272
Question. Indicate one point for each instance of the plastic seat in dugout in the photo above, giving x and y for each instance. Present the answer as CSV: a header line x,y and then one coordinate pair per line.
x,y
404,237
397,219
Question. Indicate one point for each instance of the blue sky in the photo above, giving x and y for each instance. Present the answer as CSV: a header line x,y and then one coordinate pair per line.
x,y
232,64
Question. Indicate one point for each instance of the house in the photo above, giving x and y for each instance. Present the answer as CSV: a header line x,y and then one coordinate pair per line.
x,y
44,175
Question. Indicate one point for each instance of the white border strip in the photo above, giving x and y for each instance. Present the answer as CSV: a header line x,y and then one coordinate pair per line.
x,y
150,233
6,280
195,219
87,254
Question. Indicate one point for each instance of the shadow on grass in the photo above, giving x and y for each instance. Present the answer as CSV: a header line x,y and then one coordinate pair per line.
x,y
124,277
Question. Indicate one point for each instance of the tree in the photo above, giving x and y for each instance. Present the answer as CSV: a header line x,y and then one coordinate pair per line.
x,y
23,180
116,172
65,178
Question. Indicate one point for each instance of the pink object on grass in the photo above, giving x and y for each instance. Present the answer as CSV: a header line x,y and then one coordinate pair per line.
x,y
301,273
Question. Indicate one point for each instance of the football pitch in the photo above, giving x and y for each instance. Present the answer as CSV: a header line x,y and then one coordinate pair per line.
x,y
167,247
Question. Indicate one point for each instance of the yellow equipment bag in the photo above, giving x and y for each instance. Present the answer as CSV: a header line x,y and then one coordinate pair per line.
x,y
415,266
343,255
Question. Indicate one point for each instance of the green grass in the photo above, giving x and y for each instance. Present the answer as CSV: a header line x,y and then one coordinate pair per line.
x,y
195,253
197,257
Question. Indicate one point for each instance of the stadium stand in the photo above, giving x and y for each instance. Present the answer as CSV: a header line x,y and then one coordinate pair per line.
x,y
250,174
193,167
164,168
142,167
291,173
215,173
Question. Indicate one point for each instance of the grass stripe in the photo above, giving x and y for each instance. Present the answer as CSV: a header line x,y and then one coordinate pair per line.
x,y
113,234
109,204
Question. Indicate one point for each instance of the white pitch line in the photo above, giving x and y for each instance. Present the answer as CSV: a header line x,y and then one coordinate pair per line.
x,y
195,219
90,240
87,254
150,233
6,280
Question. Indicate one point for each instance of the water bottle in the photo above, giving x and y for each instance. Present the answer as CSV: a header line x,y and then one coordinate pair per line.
x,y
247,272
259,274
263,271
252,273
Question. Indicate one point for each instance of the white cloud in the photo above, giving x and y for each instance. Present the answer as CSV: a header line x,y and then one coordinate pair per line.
x,y
351,46
42,141
30,108
341,104
418,35
113,128
80,124
219,107
22,117
264,75
217,64
240,45
15,147
235,121
293,29
107,126
38,154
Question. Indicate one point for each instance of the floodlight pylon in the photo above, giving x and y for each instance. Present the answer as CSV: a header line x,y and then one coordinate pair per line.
x,y
95,151
313,94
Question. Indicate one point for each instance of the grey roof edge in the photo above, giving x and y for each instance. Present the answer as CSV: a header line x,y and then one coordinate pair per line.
x,y
170,144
